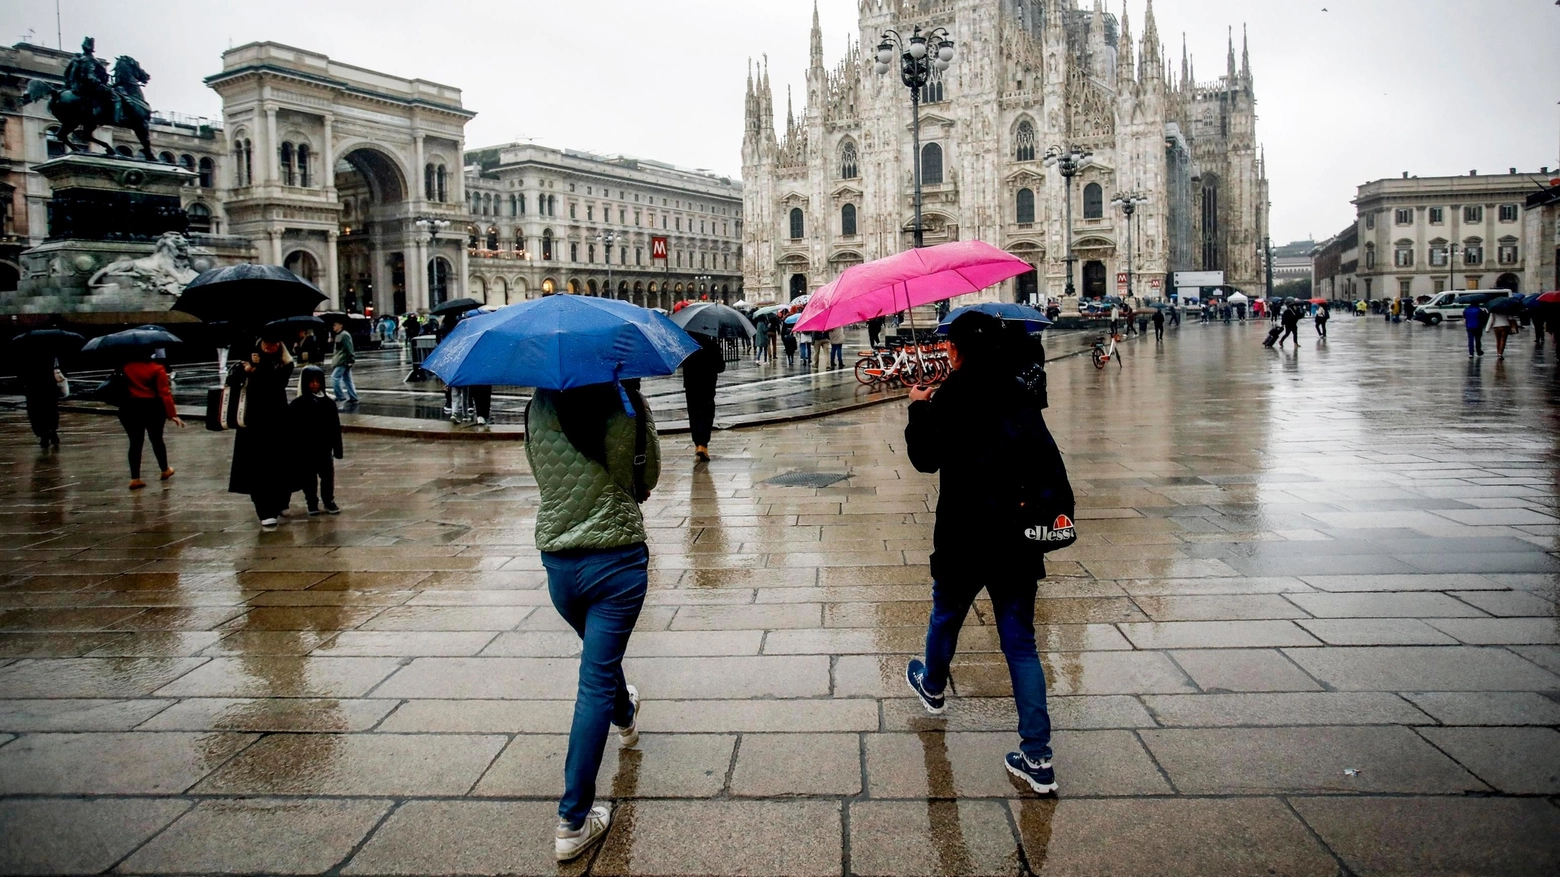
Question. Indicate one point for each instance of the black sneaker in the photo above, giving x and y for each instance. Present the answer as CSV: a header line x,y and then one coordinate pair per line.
x,y
314,512
1039,776
332,509
915,675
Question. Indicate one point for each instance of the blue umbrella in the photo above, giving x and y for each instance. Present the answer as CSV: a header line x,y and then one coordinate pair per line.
x,y
560,342
139,338
1032,318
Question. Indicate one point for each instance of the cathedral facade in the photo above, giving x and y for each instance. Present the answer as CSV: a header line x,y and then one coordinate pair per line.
x,y
835,187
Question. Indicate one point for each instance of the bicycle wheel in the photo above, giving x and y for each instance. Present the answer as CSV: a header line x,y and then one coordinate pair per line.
x,y
910,374
865,368
1099,358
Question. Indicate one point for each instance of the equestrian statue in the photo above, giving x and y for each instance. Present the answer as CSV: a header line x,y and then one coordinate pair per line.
x,y
90,99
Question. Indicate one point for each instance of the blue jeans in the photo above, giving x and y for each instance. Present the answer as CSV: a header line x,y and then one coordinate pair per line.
x,y
1475,342
599,593
1015,609
836,355
341,376
805,347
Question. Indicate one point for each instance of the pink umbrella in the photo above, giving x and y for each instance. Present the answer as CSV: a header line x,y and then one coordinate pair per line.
x,y
906,280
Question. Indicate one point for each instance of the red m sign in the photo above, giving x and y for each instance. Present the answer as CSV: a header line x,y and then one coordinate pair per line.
x,y
658,248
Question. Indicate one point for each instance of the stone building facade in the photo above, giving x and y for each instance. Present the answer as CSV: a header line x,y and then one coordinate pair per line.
x,y
547,220
1406,226
835,186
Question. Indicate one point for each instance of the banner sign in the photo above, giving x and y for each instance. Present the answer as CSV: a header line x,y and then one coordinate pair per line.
x,y
658,248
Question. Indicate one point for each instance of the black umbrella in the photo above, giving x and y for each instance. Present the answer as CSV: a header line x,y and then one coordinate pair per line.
x,y
1510,305
456,306
290,326
344,319
48,342
251,295
715,320
139,338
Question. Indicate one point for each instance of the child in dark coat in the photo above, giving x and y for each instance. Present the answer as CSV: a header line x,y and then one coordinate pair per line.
x,y
317,430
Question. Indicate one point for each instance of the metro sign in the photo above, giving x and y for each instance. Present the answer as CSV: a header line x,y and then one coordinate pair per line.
x,y
658,248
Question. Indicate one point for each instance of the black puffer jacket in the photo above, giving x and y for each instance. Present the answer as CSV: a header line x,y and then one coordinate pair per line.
x,y
316,425
978,431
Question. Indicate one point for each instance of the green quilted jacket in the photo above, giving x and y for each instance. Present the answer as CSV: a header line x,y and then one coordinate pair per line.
x,y
583,504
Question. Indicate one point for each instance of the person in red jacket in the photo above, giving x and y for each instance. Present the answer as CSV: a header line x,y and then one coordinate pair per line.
x,y
146,406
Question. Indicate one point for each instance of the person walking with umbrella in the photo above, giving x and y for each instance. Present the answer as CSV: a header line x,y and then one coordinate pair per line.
x,y
1159,324
145,406
1290,320
43,383
262,460
985,435
701,372
1322,317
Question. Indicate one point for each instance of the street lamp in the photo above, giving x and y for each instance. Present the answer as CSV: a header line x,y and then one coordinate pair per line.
x,y
1128,202
704,278
607,239
1069,162
432,227
918,57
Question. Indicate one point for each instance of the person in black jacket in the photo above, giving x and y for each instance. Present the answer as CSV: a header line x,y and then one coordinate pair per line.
x,y
1291,323
317,429
262,448
979,431
701,371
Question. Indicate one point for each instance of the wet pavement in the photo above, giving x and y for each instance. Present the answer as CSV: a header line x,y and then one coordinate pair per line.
x,y
1310,627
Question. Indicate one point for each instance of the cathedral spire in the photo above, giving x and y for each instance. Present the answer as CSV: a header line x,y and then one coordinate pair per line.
x,y
1245,55
817,39
1230,81
1152,54
1126,71
1186,65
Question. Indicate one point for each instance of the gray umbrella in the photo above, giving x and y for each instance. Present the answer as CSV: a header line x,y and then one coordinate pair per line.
x,y
715,320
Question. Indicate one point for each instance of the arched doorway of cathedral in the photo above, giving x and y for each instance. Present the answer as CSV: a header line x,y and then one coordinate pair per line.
x,y
373,184
303,264
1094,279
1509,282
549,286
798,285
440,276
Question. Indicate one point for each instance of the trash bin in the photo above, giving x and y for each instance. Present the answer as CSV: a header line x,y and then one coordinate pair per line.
x,y
422,345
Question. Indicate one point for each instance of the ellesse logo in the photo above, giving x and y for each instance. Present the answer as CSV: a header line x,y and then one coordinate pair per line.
x,y
1060,530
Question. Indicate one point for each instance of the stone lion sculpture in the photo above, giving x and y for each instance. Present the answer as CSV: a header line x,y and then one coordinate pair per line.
x,y
167,270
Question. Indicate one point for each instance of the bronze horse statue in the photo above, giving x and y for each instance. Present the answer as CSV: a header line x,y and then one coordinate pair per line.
x,y
125,107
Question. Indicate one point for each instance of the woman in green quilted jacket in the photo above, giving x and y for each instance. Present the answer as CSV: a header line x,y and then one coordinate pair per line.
x,y
594,462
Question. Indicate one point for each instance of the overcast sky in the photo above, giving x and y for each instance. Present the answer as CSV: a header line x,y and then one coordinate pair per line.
x,y
1362,90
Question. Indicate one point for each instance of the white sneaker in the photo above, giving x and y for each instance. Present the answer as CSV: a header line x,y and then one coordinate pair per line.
x,y
628,737
481,421
268,522
569,843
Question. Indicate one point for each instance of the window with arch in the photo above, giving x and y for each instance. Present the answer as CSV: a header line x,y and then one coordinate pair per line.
x,y
513,208
167,158
932,164
492,237
1024,142
428,190
848,169
1370,255
208,173
590,253
848,220
473,238
1093,201
187,162
303,165
932,92
574,252
200,218
520,200
552,205
798,225
547,245
519,241
288,179
441,181
1025,203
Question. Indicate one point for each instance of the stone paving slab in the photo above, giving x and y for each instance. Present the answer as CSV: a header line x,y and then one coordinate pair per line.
x,y
1438,837
77,836
259,836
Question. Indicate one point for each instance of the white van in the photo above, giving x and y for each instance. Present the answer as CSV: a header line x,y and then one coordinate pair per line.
x,y
1451,304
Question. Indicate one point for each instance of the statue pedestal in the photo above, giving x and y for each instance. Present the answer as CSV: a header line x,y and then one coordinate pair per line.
x,y
116,250
98,198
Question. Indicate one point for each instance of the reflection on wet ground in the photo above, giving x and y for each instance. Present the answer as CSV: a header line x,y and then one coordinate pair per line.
x,y
1311,625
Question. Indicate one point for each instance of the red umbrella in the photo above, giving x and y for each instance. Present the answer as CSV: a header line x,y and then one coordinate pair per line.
x,y
906,280
1550,298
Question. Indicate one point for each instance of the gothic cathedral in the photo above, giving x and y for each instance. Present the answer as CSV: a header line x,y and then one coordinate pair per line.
x,y
837,188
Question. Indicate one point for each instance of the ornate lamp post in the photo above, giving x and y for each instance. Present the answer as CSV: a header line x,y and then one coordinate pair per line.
x,y
918,57
608,238
432,227
1069,162
1128,202
705,278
